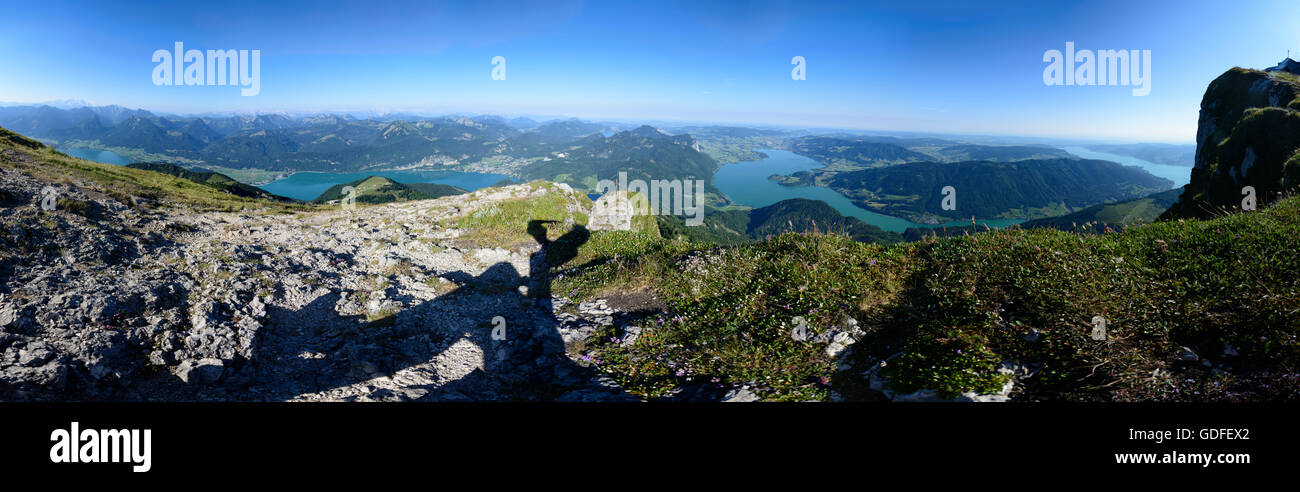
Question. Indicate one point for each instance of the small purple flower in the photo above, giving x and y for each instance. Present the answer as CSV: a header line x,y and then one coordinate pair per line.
x,y
681,372
613,339
872,262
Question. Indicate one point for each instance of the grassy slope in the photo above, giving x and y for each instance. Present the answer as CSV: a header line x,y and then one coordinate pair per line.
x,y
1098,218
126,184
955,308
505,224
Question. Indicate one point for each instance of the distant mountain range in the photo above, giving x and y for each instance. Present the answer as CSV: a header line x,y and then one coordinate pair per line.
x,y
277,142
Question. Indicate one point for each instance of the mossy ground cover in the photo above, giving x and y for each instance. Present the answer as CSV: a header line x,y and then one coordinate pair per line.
x,y
951,311
731,311
506,223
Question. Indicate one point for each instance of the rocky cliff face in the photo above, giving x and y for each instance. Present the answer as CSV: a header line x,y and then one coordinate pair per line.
x,y
1248,135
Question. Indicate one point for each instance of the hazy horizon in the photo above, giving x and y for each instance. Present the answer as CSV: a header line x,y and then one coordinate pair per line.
x,y
935,68
361,115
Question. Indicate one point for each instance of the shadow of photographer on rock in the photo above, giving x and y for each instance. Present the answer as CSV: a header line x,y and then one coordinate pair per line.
x,y
503,317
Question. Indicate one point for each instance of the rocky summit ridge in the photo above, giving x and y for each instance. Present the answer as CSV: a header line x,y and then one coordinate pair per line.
x,y
1248,135
119,301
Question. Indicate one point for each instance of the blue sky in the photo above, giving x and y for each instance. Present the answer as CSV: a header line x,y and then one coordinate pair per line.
x,y
943,67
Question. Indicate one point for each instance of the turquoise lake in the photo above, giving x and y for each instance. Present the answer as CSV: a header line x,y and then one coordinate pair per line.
x,y
746,183
1178,174
104,156
307,186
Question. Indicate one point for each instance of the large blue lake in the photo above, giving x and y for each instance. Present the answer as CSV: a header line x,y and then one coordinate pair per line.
x,y
104,156
1178,174
746,183
308,185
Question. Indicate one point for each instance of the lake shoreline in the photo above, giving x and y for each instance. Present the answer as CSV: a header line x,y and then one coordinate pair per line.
x,y
308,185
747,183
